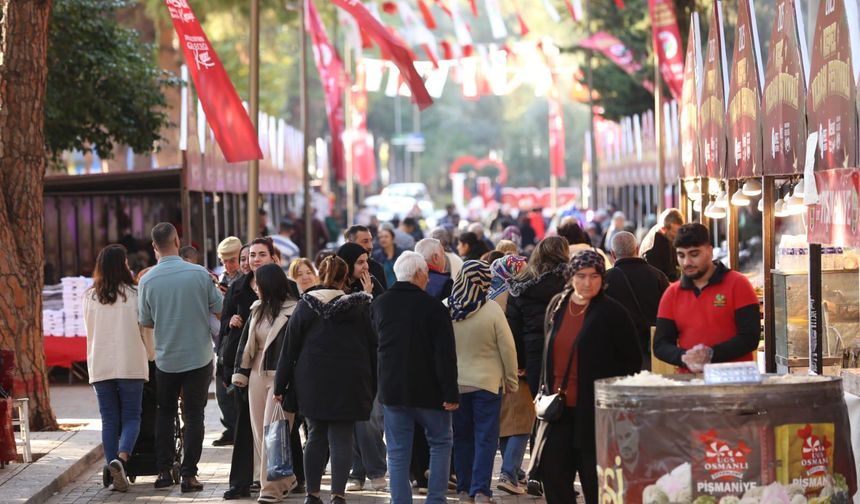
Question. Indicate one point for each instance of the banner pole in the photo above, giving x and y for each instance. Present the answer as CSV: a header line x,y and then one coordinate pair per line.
x,y
254,108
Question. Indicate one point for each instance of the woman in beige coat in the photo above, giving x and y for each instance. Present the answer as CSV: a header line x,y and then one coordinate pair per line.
x,y
256,362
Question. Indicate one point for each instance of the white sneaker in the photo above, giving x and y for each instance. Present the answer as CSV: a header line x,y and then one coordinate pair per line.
x,y
379,484
355,486
117,472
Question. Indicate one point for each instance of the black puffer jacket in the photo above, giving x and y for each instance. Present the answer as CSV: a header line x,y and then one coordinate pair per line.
x,y
327,369
527,304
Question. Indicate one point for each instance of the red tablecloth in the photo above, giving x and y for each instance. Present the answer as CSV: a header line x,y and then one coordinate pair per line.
x,y
63,352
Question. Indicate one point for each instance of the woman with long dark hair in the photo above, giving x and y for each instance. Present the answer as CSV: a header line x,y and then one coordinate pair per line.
x,y
327,372
589,336
470,247
237,310
256,361
117,355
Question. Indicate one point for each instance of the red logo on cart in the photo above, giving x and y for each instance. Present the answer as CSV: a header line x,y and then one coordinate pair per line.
x,y
724,462
814,451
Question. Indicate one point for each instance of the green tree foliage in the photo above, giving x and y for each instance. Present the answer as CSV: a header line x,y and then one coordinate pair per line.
x,y
104,86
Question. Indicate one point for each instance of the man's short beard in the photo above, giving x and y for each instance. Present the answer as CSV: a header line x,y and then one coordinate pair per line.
x,y
699,274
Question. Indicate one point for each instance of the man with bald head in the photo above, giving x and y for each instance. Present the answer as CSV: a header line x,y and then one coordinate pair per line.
x,y
638,286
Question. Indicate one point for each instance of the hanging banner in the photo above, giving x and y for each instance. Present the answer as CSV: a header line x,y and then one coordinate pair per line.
x,y
575,9
611,47
835,220
556,135
745,88
831,107
391,48
363,161
228,119
784,128
691,99
666,40
712,118
333,80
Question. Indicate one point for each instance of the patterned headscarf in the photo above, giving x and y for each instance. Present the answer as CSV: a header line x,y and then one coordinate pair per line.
x,y
513,234
470,290
588,259
503,269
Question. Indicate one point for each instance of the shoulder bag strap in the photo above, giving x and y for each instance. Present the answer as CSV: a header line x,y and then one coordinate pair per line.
x,y
563,388
632,292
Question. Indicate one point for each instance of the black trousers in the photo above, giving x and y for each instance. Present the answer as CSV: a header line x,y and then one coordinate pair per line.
x,y
564,460
242,461
297,450
194,387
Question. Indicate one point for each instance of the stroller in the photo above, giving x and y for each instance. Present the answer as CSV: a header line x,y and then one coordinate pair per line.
x,y
142,460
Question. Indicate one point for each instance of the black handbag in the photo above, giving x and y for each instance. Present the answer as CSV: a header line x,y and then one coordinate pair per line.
x,y
550,407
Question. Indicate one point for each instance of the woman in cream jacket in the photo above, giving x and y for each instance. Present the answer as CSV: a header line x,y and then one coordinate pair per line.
x,y
256,362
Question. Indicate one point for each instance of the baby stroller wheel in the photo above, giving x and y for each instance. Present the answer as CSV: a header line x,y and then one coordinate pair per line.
x,y
106,477
175,473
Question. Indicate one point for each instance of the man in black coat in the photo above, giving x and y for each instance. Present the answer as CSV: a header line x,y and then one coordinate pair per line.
x,y
660,252
638,286
362,236
417,369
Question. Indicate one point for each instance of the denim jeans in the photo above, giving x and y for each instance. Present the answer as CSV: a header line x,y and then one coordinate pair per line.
x,y
399,429
513,449
194,386
368,453
476,437
120,404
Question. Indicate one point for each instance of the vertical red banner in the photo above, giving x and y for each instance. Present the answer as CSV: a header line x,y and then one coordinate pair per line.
x,y
363,160
556,136
666,38
225,113
333,78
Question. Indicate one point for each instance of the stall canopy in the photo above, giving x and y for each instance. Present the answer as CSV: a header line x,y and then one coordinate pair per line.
x,y
744,148
832,92
691,99
713,113
787,77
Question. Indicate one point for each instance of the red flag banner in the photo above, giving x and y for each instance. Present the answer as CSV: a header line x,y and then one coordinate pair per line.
x,y
611,47
712,114
363,161
333,79
556,136
666,39
225,113
575,9
691,94
429,20
394,49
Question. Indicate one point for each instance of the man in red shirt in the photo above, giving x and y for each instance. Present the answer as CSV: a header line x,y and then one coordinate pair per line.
x,y
711,314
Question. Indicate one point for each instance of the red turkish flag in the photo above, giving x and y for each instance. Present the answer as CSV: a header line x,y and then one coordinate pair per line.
x,y
363,160
333,80
225,113
556,135
666,38
390,46
612,47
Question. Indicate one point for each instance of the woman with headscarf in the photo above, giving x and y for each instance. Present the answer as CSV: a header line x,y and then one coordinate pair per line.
x,y
589,336
357,261
486,368
503,269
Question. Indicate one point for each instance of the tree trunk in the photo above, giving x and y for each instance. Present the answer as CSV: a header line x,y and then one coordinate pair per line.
x,y
23,80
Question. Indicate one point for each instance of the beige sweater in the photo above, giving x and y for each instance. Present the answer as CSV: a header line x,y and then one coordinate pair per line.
x,y
486,354
116,345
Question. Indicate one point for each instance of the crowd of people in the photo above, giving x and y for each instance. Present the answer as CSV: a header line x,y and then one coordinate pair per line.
x,y
402,355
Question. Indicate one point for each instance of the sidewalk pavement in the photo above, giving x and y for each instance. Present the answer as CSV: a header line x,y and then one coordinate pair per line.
x,y
71,470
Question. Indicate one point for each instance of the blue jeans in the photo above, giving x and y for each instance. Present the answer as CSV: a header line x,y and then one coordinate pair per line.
x,y
368,452
399,430
476,437
120,404
513,449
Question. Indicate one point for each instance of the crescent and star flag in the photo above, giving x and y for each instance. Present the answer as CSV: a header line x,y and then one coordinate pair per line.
x,y
394,49
225,113
333,78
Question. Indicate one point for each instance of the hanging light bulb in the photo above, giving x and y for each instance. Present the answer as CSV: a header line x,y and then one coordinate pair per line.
x,y
714,211
722,201
752,187
689,184
695,193
779,209
714,186
697,205
799,188
740,199
760,205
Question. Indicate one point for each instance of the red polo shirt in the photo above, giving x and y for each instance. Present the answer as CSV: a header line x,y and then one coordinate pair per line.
x,y
708,316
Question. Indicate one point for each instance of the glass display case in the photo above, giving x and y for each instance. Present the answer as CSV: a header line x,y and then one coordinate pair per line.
x,y
841,304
